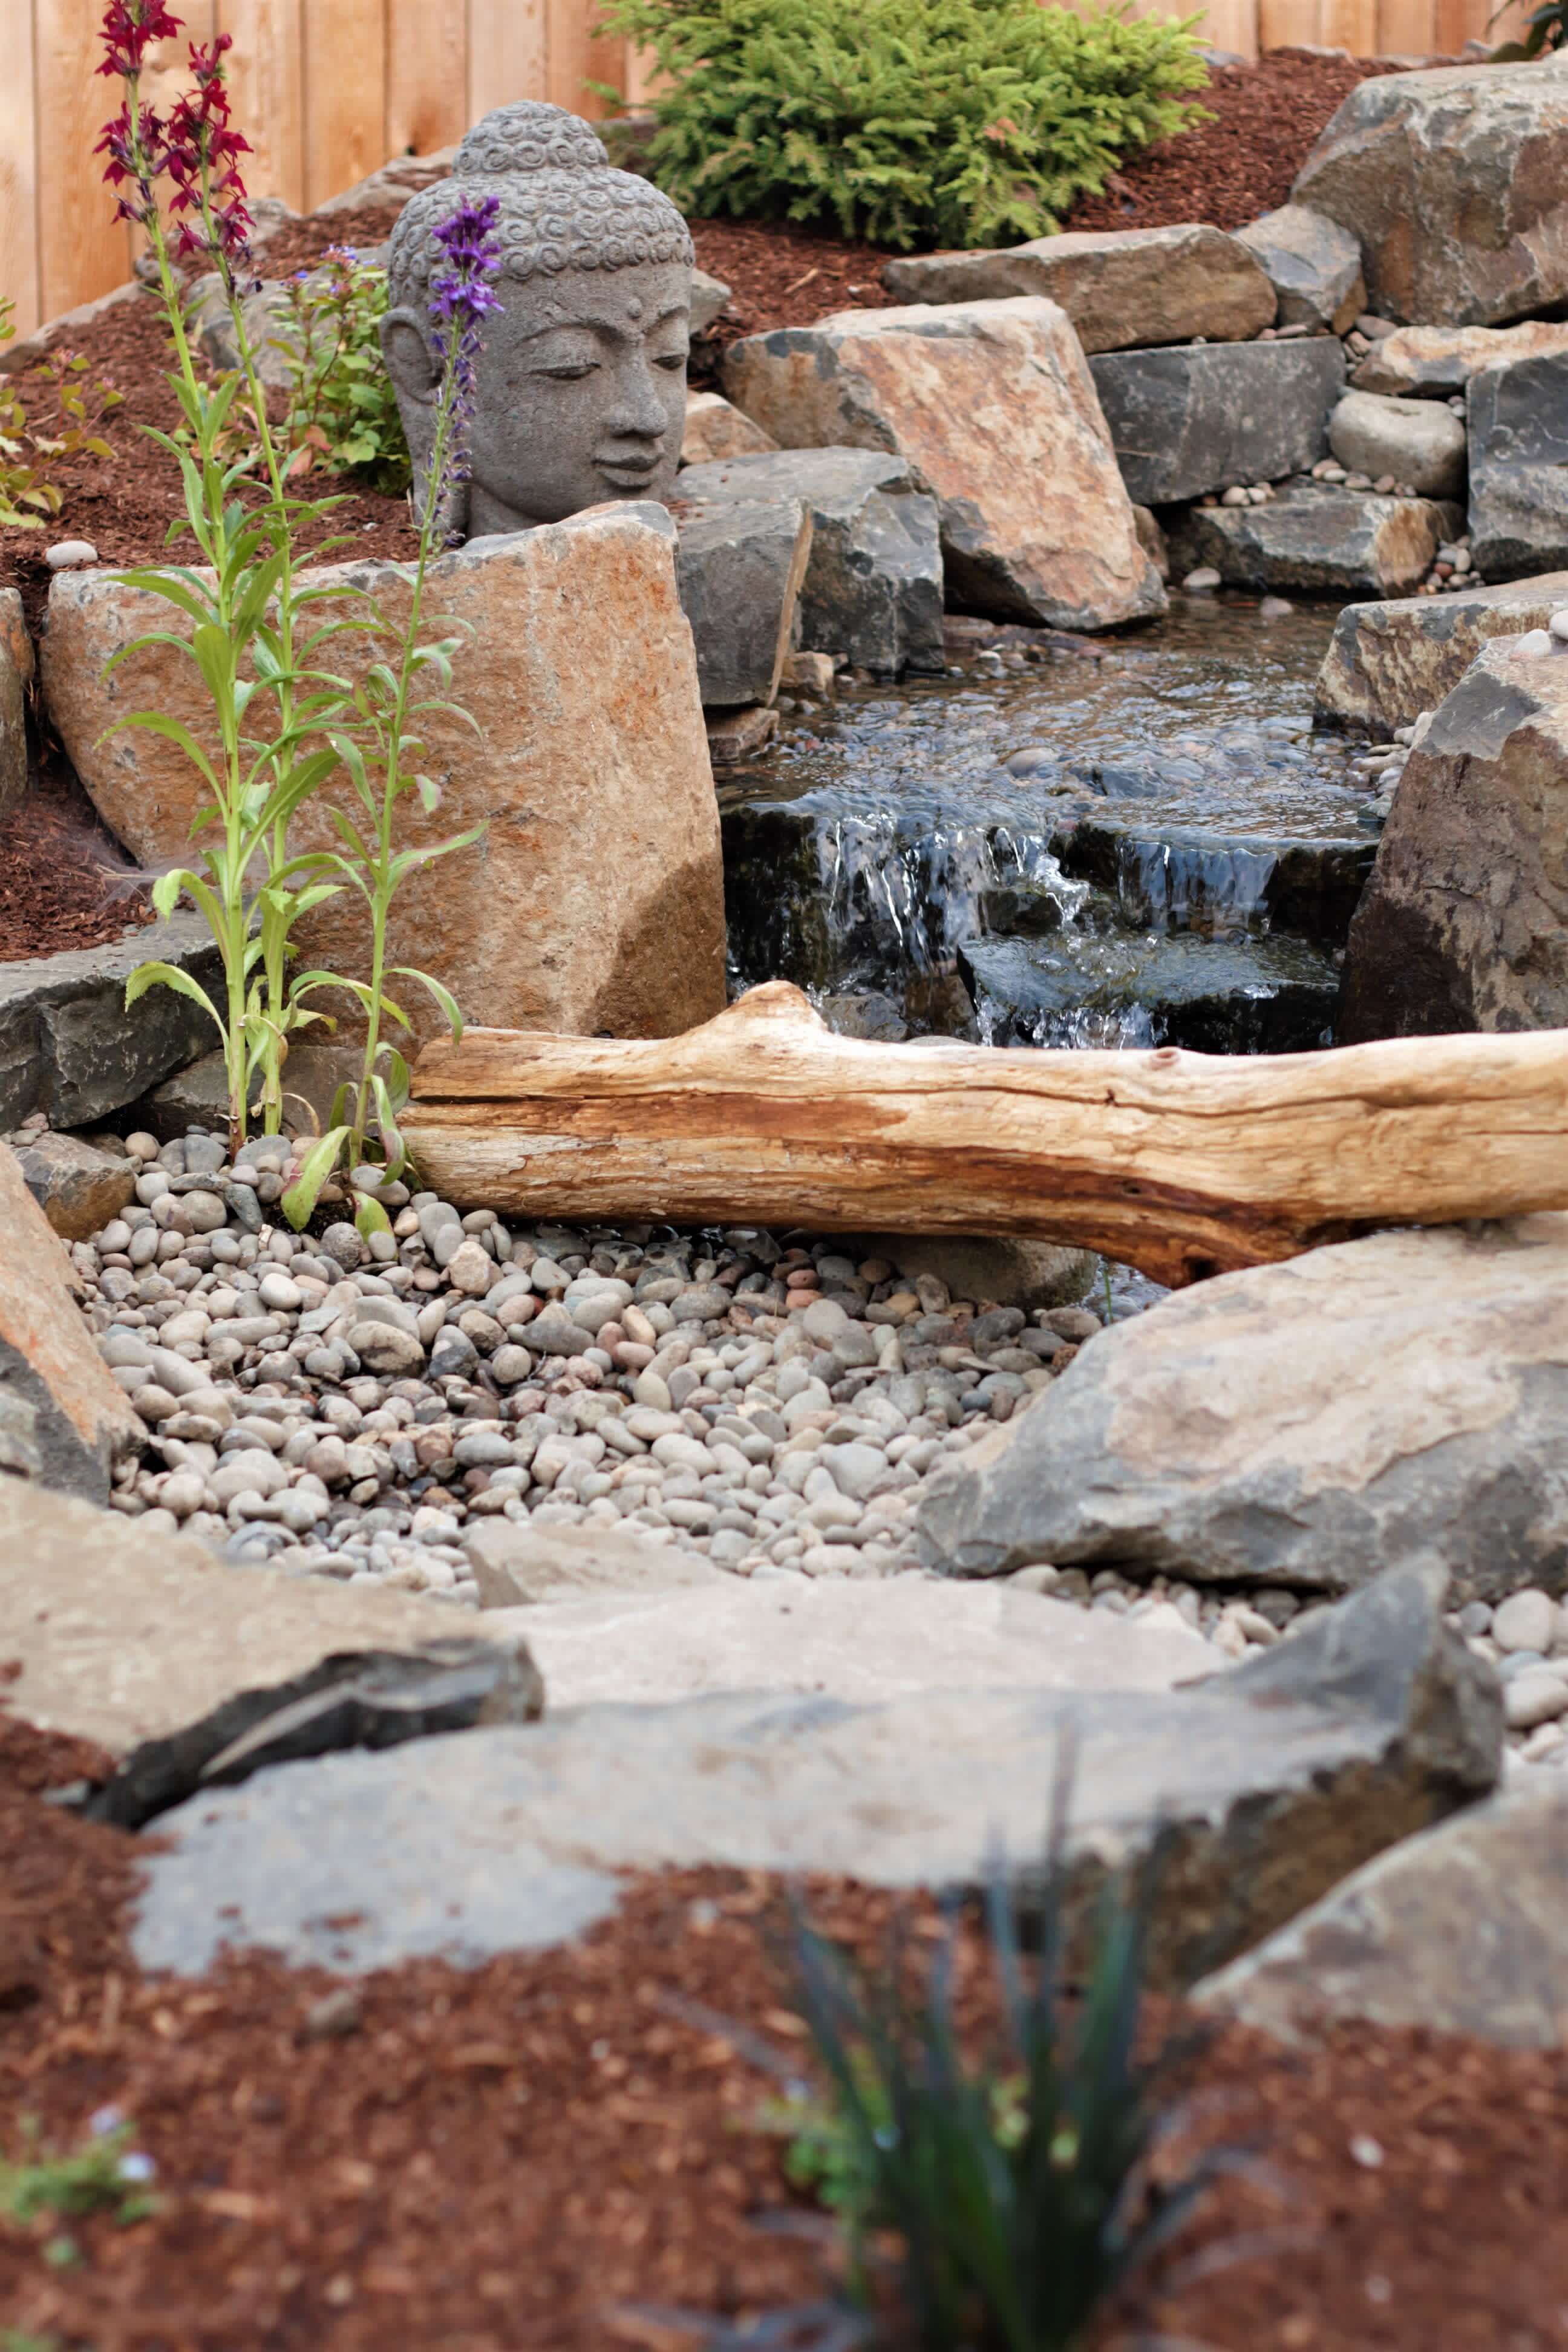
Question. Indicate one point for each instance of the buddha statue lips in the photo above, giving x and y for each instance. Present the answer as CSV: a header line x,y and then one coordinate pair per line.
x,y
579,392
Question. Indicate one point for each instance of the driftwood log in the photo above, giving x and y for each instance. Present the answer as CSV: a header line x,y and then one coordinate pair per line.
x,y
1182,1164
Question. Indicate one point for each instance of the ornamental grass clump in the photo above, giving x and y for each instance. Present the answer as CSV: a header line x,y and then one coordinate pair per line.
x,y
908,122
268,641
1017,2186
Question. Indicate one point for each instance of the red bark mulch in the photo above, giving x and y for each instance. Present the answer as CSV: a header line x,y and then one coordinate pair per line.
x,y
556,2150
64,881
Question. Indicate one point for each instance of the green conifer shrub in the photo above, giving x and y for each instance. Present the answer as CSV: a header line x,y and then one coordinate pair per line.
x,y
908,123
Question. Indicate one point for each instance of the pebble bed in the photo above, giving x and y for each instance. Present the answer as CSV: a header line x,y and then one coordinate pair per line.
x,y
329,1407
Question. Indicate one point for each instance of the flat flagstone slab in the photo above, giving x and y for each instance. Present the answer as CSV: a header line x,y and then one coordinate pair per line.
x,y
869,1642
123,1635
1280,1778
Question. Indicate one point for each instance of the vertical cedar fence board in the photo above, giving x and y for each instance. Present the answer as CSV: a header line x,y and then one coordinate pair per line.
x,y
325,90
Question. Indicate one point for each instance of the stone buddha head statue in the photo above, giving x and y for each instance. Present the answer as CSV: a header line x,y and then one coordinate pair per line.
x,y
580,390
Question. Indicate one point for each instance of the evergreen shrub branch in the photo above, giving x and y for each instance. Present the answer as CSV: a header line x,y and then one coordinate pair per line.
x,y
908,123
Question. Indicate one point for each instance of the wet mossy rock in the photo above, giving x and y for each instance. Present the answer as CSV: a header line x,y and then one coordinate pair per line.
x,y
1465,921
1313,1425
592,904
1455,182
992,406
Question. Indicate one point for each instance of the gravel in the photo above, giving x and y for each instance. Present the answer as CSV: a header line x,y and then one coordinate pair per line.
x,y
772,1404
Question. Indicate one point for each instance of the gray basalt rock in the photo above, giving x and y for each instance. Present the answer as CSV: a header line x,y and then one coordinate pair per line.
x,y
992,408
1198,416
739,565
1420,441
1465,921
1119,287
1454,180
77,1187
1313,264
1370,1723
580,385
1462,1930
873,587
1209,996
68,1046
1389,661
1328,541
1518,467
1312,1424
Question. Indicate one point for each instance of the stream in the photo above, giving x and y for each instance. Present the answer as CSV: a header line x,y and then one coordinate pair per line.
x,y
1062,841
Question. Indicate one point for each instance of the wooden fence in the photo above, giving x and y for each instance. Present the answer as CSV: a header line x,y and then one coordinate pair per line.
x,y
327,89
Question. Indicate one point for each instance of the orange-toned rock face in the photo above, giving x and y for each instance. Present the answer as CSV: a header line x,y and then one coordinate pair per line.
x,y
80,1418
994,408
594,901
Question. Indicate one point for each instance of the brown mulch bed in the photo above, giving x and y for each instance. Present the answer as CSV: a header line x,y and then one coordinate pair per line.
x,y
1267,117
554,2150
64,879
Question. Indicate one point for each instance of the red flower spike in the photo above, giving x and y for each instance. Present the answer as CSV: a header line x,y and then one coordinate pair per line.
x,y
130,28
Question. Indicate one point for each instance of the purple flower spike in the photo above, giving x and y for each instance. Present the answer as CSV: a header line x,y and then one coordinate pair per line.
x,y
460,295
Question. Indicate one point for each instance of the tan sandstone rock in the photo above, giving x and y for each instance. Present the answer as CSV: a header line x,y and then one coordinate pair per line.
x,y
1464,924
715,429
594,901
993,407
77,1187
124,1635
1431,363
77,1419
1388,662
1120,288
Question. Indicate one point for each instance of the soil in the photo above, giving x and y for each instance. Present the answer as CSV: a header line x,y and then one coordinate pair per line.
x,y
65,882
558,2149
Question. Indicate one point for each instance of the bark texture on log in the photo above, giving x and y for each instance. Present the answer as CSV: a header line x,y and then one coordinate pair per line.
x,y
1181,1164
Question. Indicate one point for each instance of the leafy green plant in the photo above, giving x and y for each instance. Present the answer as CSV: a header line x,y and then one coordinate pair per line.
x,y
28,500
956,122
261,636
1018,2186
1545,28
342,412
105,2176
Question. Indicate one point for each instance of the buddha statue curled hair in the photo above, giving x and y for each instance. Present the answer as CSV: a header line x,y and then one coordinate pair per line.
x,y
580,390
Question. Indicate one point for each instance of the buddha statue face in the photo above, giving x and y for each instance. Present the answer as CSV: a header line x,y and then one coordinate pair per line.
x,y
580,388
579,393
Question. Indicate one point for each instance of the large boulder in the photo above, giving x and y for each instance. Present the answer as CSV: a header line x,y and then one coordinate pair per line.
x,y
739,566
873,587
1465,921
1518,467
1461,1930
593,904
1419,441
1310,1424
1389,661
1313,264
63,1418
1119,287
68,1046
1437,363
1325,541
1281,1775
1196,418
993,407
1455,182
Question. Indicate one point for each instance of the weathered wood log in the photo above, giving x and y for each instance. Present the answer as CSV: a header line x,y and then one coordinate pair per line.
x,y
1182,1164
